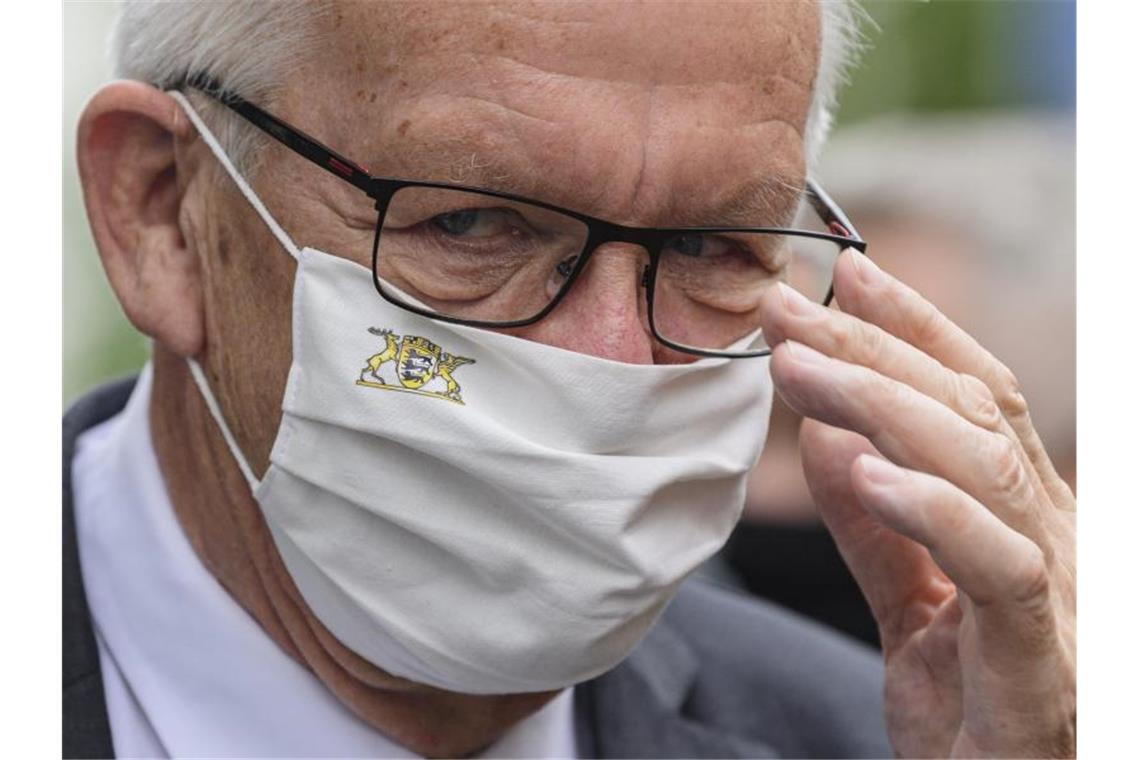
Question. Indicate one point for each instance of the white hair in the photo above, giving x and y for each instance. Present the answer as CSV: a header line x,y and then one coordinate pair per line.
x,y
248,47
840,43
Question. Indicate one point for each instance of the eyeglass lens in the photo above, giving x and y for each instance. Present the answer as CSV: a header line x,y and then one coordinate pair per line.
x,y
482,258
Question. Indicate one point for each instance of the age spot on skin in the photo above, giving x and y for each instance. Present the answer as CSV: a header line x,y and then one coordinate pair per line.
x,y
403,128
223,247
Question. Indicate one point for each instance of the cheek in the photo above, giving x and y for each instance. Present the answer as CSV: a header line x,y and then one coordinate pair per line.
x,y
249,287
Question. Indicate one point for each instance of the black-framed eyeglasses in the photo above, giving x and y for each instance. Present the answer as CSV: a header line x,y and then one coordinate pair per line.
x,y
483,258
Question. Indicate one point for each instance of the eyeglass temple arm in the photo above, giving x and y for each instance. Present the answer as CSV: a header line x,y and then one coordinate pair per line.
x,y
291,137
830,212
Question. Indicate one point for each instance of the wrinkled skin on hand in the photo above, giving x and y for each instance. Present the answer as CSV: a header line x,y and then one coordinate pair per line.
x,y
923,461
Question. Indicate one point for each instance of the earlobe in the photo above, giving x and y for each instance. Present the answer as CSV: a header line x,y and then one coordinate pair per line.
x,y
128,167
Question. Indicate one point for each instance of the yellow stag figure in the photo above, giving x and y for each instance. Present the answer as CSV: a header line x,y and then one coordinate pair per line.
x,y
391,349
447,363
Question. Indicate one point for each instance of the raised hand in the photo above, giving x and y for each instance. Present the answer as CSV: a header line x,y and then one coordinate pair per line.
x,y
921,456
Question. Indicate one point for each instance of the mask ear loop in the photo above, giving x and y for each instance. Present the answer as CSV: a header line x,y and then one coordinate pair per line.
x,y
216,148
282,237
216,412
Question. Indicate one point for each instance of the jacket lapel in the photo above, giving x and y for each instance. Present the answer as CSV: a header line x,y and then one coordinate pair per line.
x,y
86,729
638,708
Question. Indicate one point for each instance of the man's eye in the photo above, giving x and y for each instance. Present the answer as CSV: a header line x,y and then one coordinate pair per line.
x,y
473,223
687,245
697,245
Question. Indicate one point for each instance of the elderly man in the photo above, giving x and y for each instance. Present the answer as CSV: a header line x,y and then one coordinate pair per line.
x,y
426,449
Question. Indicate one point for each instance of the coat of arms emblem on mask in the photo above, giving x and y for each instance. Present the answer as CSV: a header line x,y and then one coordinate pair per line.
x,y
419,366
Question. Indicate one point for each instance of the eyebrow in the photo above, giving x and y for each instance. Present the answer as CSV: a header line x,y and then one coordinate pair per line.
x,y
766,200
770,200
464,166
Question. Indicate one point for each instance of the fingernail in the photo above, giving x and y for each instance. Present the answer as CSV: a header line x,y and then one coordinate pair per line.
x,y
795,302
868,271
880,471
804,354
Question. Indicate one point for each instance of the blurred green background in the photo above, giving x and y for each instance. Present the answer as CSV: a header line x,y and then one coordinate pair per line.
x,y
923,58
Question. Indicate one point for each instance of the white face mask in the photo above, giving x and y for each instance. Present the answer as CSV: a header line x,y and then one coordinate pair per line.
x,y
479,512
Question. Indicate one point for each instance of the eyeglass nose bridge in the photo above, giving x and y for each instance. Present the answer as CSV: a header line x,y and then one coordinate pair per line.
x,y
604,233
649,240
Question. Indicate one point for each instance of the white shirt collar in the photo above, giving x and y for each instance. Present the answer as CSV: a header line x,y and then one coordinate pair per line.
x,y
187,672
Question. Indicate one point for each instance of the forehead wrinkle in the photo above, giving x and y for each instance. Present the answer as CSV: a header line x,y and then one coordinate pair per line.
x,y
751,77
494,157
516,79
520,108
468,160
480,141
704,34
769,199
458,161
494,104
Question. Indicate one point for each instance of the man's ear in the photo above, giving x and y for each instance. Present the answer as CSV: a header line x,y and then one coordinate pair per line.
x,y
126,147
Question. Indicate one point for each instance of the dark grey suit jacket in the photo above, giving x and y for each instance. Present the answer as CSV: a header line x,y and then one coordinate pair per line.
x,y
720,675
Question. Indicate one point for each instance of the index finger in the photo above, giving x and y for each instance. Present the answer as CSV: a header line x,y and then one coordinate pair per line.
x,y
864,290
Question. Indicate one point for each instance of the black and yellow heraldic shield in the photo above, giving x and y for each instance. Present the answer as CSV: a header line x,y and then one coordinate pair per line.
x,y
420,367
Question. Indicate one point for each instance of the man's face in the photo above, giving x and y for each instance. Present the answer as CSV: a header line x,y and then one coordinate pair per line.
x,y
648,114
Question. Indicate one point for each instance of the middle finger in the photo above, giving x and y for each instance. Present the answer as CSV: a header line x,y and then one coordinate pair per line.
x,y
789,315
786,314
